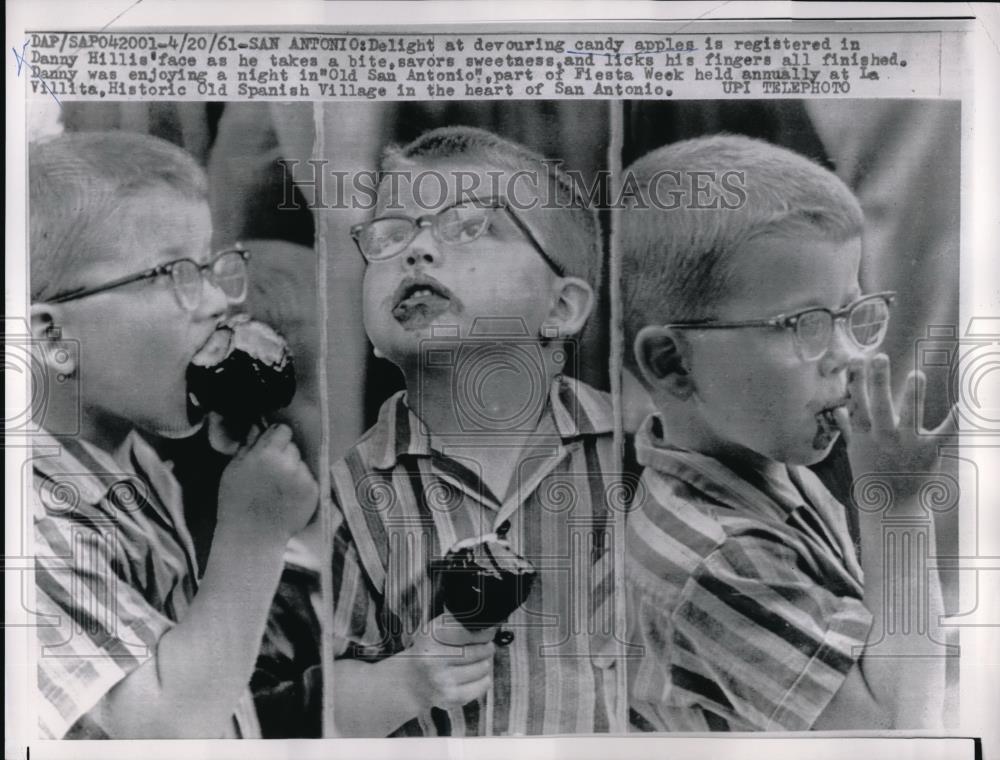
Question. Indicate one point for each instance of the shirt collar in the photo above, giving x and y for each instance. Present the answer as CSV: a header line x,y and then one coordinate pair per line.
x,y
54,461
93,473
707,474
575,408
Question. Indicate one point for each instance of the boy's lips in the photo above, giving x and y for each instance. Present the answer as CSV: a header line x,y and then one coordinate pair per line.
x,y
418,300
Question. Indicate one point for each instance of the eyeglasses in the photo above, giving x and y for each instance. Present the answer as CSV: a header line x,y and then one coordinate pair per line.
x,y
866,321
227,271
388,236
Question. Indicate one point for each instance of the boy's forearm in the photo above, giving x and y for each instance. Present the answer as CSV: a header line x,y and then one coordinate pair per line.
x,y
191,687
372,699
908,687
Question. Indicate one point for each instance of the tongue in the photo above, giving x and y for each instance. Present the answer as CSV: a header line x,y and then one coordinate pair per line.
x,y
422,308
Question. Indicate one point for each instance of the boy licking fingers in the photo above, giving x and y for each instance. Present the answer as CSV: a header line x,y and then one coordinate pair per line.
x,y
756,346
894,437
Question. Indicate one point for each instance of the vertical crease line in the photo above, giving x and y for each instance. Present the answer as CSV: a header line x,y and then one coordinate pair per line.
x,y
323,475
616,117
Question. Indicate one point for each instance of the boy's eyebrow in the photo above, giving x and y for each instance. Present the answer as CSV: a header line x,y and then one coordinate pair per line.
x,y
174,252
818,303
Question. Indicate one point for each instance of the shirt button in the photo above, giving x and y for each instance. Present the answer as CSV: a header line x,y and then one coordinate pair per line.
x,y
503,638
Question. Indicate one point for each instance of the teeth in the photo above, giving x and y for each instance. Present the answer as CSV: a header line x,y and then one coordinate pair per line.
x,y
422,292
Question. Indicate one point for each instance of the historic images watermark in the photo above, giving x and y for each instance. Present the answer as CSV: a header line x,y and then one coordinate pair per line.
x,y
328,188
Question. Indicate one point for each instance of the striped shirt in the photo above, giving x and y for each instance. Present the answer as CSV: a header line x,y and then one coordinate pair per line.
x,y
748,604
404,502
115,569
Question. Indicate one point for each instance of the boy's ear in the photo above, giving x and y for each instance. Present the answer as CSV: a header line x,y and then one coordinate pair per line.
x,y
663,359
47,335
574,300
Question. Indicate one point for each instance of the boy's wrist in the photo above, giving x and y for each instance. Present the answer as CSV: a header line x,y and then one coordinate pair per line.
x,y
375,698
240,535
401,673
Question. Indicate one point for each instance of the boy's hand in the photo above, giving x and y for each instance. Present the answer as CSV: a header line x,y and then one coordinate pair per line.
x,y
883,440
267,487
450,666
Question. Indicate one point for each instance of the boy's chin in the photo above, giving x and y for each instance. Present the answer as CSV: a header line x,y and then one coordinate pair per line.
x,y
807,457
404,347
175,423
396,352
179,428
793,453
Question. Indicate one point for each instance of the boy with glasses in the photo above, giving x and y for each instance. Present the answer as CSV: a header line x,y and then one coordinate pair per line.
x,y
757,345
482,265
134,645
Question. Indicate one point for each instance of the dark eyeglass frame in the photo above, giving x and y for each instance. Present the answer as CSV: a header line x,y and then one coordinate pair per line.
x,y
430,220
791,320
205,270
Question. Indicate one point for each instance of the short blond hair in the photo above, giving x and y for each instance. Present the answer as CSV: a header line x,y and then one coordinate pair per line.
x,y
677,250
571,230
77,181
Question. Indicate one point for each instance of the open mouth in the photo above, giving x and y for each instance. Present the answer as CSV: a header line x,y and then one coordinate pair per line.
x,y
830,421
418,300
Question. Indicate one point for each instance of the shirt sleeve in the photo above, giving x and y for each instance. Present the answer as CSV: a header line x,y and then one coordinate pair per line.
x,y
359,630
99,628
759,642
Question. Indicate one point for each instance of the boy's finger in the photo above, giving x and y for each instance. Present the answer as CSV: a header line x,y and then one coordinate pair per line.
x,y
462,695
253,434
857,387
478,652
911,410
883,415
463,674
292,453
447,630
482,637
475,690
277,436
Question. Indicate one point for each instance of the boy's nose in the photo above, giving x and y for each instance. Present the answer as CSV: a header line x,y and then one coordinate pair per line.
x,y
214,302
422,250
841,350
